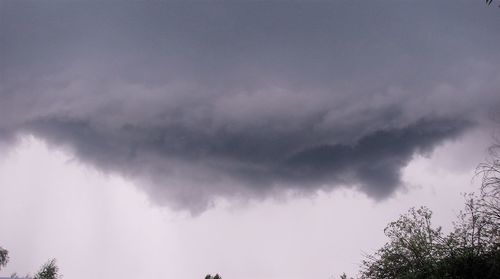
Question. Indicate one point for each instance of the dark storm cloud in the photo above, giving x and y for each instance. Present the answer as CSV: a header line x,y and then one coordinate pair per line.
x,y
376,159
239,99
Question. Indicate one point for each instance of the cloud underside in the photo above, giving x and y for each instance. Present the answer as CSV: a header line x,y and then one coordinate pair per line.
x,y
244,100
189,169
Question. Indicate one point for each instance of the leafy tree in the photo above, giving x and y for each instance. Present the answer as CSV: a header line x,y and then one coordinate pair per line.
x,y
488,2
489,201
413,249
4,257
417,250
217,276
48,271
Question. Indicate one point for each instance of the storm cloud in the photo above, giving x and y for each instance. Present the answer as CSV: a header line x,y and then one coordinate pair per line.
x,y
202,100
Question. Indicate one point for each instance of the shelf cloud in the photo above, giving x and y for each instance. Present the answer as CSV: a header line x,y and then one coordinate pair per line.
x,y
196,101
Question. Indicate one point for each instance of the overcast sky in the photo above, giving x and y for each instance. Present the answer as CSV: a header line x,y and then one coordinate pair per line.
x,y
261,140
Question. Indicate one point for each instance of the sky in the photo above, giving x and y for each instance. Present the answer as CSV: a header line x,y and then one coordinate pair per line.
x,y
265,139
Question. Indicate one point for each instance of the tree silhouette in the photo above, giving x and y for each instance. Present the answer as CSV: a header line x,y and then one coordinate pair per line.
x,y
489,201
414,245
4,257
417,250
488,2
217,276
48,271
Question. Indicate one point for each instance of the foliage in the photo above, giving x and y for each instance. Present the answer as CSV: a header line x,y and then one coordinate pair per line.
x,y
48,271
414,248
489,202
489,2
417,250
217,276
344,276
4,257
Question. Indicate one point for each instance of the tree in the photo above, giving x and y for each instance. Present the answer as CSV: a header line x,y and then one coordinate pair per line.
x,y
48,271
488,2
417,250
413,249
472,250
344,276
217,276
4,257
489,202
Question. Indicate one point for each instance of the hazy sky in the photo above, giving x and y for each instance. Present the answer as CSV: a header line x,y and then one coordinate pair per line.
x,y
256,139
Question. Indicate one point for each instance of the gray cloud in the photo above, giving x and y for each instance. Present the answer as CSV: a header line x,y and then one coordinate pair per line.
x,y
201,100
